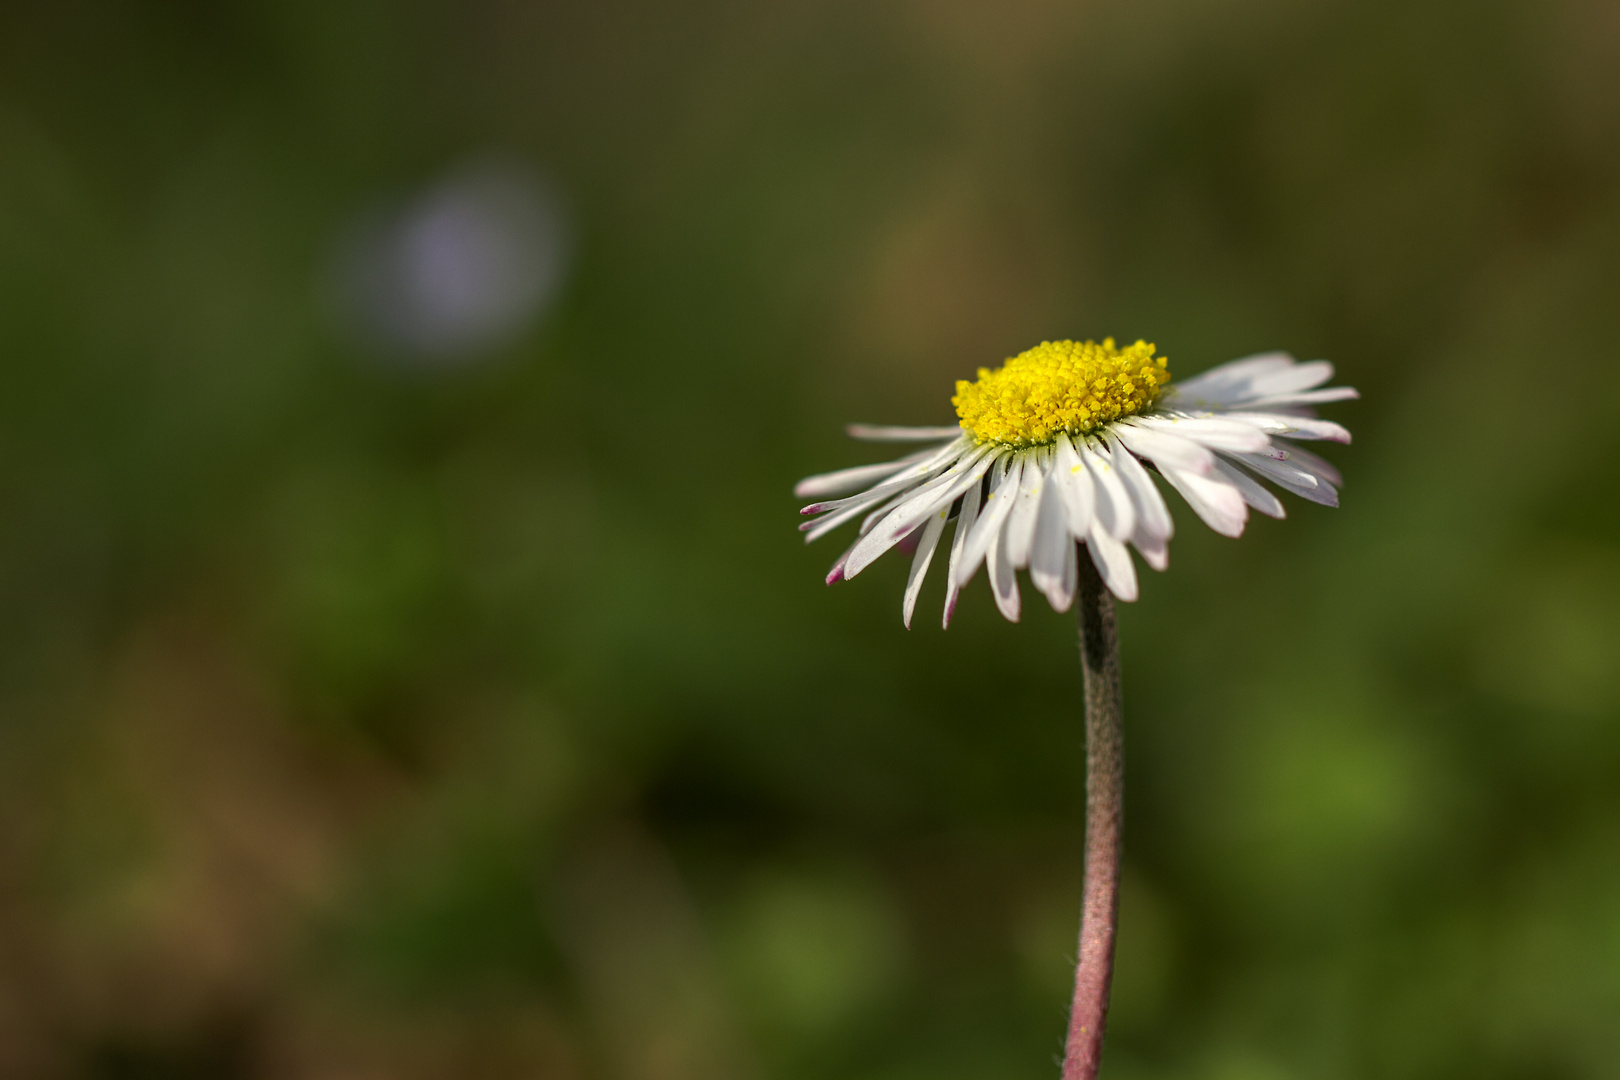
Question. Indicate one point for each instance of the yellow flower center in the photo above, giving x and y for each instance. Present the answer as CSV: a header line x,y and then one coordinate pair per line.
x,y
1072,386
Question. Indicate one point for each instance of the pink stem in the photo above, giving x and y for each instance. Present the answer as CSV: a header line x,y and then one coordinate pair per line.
x,y
1105,787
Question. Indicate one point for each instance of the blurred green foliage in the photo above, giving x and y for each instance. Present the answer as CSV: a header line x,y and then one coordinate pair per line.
x,y
492,722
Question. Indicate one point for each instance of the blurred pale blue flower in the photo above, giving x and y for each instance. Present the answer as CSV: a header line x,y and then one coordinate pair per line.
x,y
460,269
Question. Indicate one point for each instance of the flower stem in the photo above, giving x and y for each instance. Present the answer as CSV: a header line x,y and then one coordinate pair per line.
x,y
1105,789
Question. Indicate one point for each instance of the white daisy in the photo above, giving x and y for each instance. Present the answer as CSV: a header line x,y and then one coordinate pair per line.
x,y
1059,445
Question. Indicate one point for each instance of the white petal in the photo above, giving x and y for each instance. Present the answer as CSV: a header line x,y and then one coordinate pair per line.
x,y
1115,511
919,562
1155,549
1269,377
1289,477
1253,494
1074,483
1306,397
1163,448
1071,572
1283,472
997,505
1218,503
942,490
1218,382
836,574
815,530
892,433
1152,516
964,524
914,507
1315,464
1245,368
915,474
878,515
1113,562
1021,522
1052,539
1214,432
915,504
1275,452
1290,379
1003,578
1293,427
1323,494
835,483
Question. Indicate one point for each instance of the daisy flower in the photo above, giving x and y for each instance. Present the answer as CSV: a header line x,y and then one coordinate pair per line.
x,y
1060,444
1055,452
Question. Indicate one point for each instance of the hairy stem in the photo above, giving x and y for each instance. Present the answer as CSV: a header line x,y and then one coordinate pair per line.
x,y
1105,791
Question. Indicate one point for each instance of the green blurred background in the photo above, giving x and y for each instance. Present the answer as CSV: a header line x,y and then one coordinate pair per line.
x,y
379,710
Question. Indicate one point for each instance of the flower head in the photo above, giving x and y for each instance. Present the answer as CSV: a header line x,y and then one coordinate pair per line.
x,y
1059,445
1069,386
